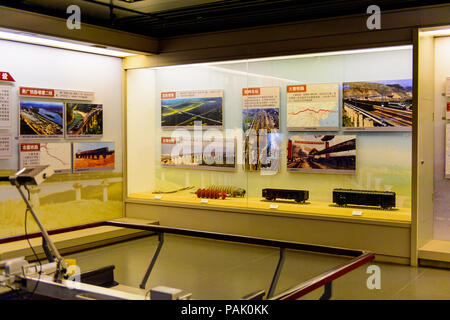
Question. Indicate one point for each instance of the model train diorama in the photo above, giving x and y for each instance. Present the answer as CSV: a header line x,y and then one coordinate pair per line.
x,y
297,195
383,199
341,197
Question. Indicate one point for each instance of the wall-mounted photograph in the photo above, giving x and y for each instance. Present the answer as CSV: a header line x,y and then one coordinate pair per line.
x,y
93,156
211,154
183,109
322,153
41,119
84,120
377,105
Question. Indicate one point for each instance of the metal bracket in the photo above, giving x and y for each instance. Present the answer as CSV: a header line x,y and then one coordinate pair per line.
x,y
327,292
276,276
152,263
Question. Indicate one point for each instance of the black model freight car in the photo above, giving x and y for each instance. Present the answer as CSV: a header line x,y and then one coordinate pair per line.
x,y
297,195
384,199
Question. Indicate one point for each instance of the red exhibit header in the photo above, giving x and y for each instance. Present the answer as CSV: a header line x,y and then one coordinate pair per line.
x,y
24,147
297,88
448,106
5,76
168,95
251,91
36,92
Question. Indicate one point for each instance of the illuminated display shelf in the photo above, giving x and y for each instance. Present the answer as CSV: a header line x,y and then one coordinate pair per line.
x,y
284,206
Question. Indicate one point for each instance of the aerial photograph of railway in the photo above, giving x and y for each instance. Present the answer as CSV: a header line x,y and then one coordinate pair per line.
x,y
260,154
41,118
183,112
93,156
84,119
377,105
322,153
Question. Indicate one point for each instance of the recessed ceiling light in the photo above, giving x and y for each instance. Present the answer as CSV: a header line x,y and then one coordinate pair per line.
x,y
63,44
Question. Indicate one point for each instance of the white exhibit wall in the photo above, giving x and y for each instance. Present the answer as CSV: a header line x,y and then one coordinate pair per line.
x,y
73,198
441,223
45,67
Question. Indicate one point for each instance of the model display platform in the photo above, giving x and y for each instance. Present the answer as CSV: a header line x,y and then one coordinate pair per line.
x,y
289,208
383,199
297,195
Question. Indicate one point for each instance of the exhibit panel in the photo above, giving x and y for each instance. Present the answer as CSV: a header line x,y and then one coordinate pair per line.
x,y
62,109
321,134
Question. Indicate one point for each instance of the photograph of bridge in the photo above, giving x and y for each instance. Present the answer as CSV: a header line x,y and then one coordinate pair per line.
x,y
41,119
322,153
184,112
378,105
84,120
211,154
93,156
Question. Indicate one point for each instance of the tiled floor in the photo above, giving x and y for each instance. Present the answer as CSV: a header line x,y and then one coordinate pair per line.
x,y
219,270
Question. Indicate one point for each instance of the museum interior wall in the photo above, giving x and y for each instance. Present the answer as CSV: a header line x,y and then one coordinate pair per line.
x,y
44,130
383,154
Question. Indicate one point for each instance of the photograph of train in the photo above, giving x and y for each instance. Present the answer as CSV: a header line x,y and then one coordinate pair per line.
x,y
322,153
41,119
93,156
377,105
84,120
213,154
183,112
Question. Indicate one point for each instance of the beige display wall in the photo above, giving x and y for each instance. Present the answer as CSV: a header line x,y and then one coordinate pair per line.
x,y
56,201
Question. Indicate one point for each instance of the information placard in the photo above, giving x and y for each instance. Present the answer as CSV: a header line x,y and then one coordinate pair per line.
x,y
57,155
5,107
5,146
447,90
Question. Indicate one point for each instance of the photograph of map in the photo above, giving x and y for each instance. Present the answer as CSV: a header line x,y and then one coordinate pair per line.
x,y
322,153
377,105
93,156
41,119
84,120
184,109
58,155
313,107
210,154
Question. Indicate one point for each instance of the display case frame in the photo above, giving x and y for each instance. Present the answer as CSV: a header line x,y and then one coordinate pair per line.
x,y
310,227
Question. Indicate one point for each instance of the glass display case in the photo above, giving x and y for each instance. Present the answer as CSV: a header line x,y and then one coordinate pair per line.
x,y
323,134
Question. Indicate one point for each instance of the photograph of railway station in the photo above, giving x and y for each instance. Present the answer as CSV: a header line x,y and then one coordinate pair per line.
x,y
378,105
261,124
183,112
41,118
93,156
84,119
322,153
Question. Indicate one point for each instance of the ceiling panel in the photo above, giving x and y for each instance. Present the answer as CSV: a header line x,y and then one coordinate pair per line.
x,y
166,18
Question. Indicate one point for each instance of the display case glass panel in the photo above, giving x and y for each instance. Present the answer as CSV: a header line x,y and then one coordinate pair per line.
x,y
238,130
